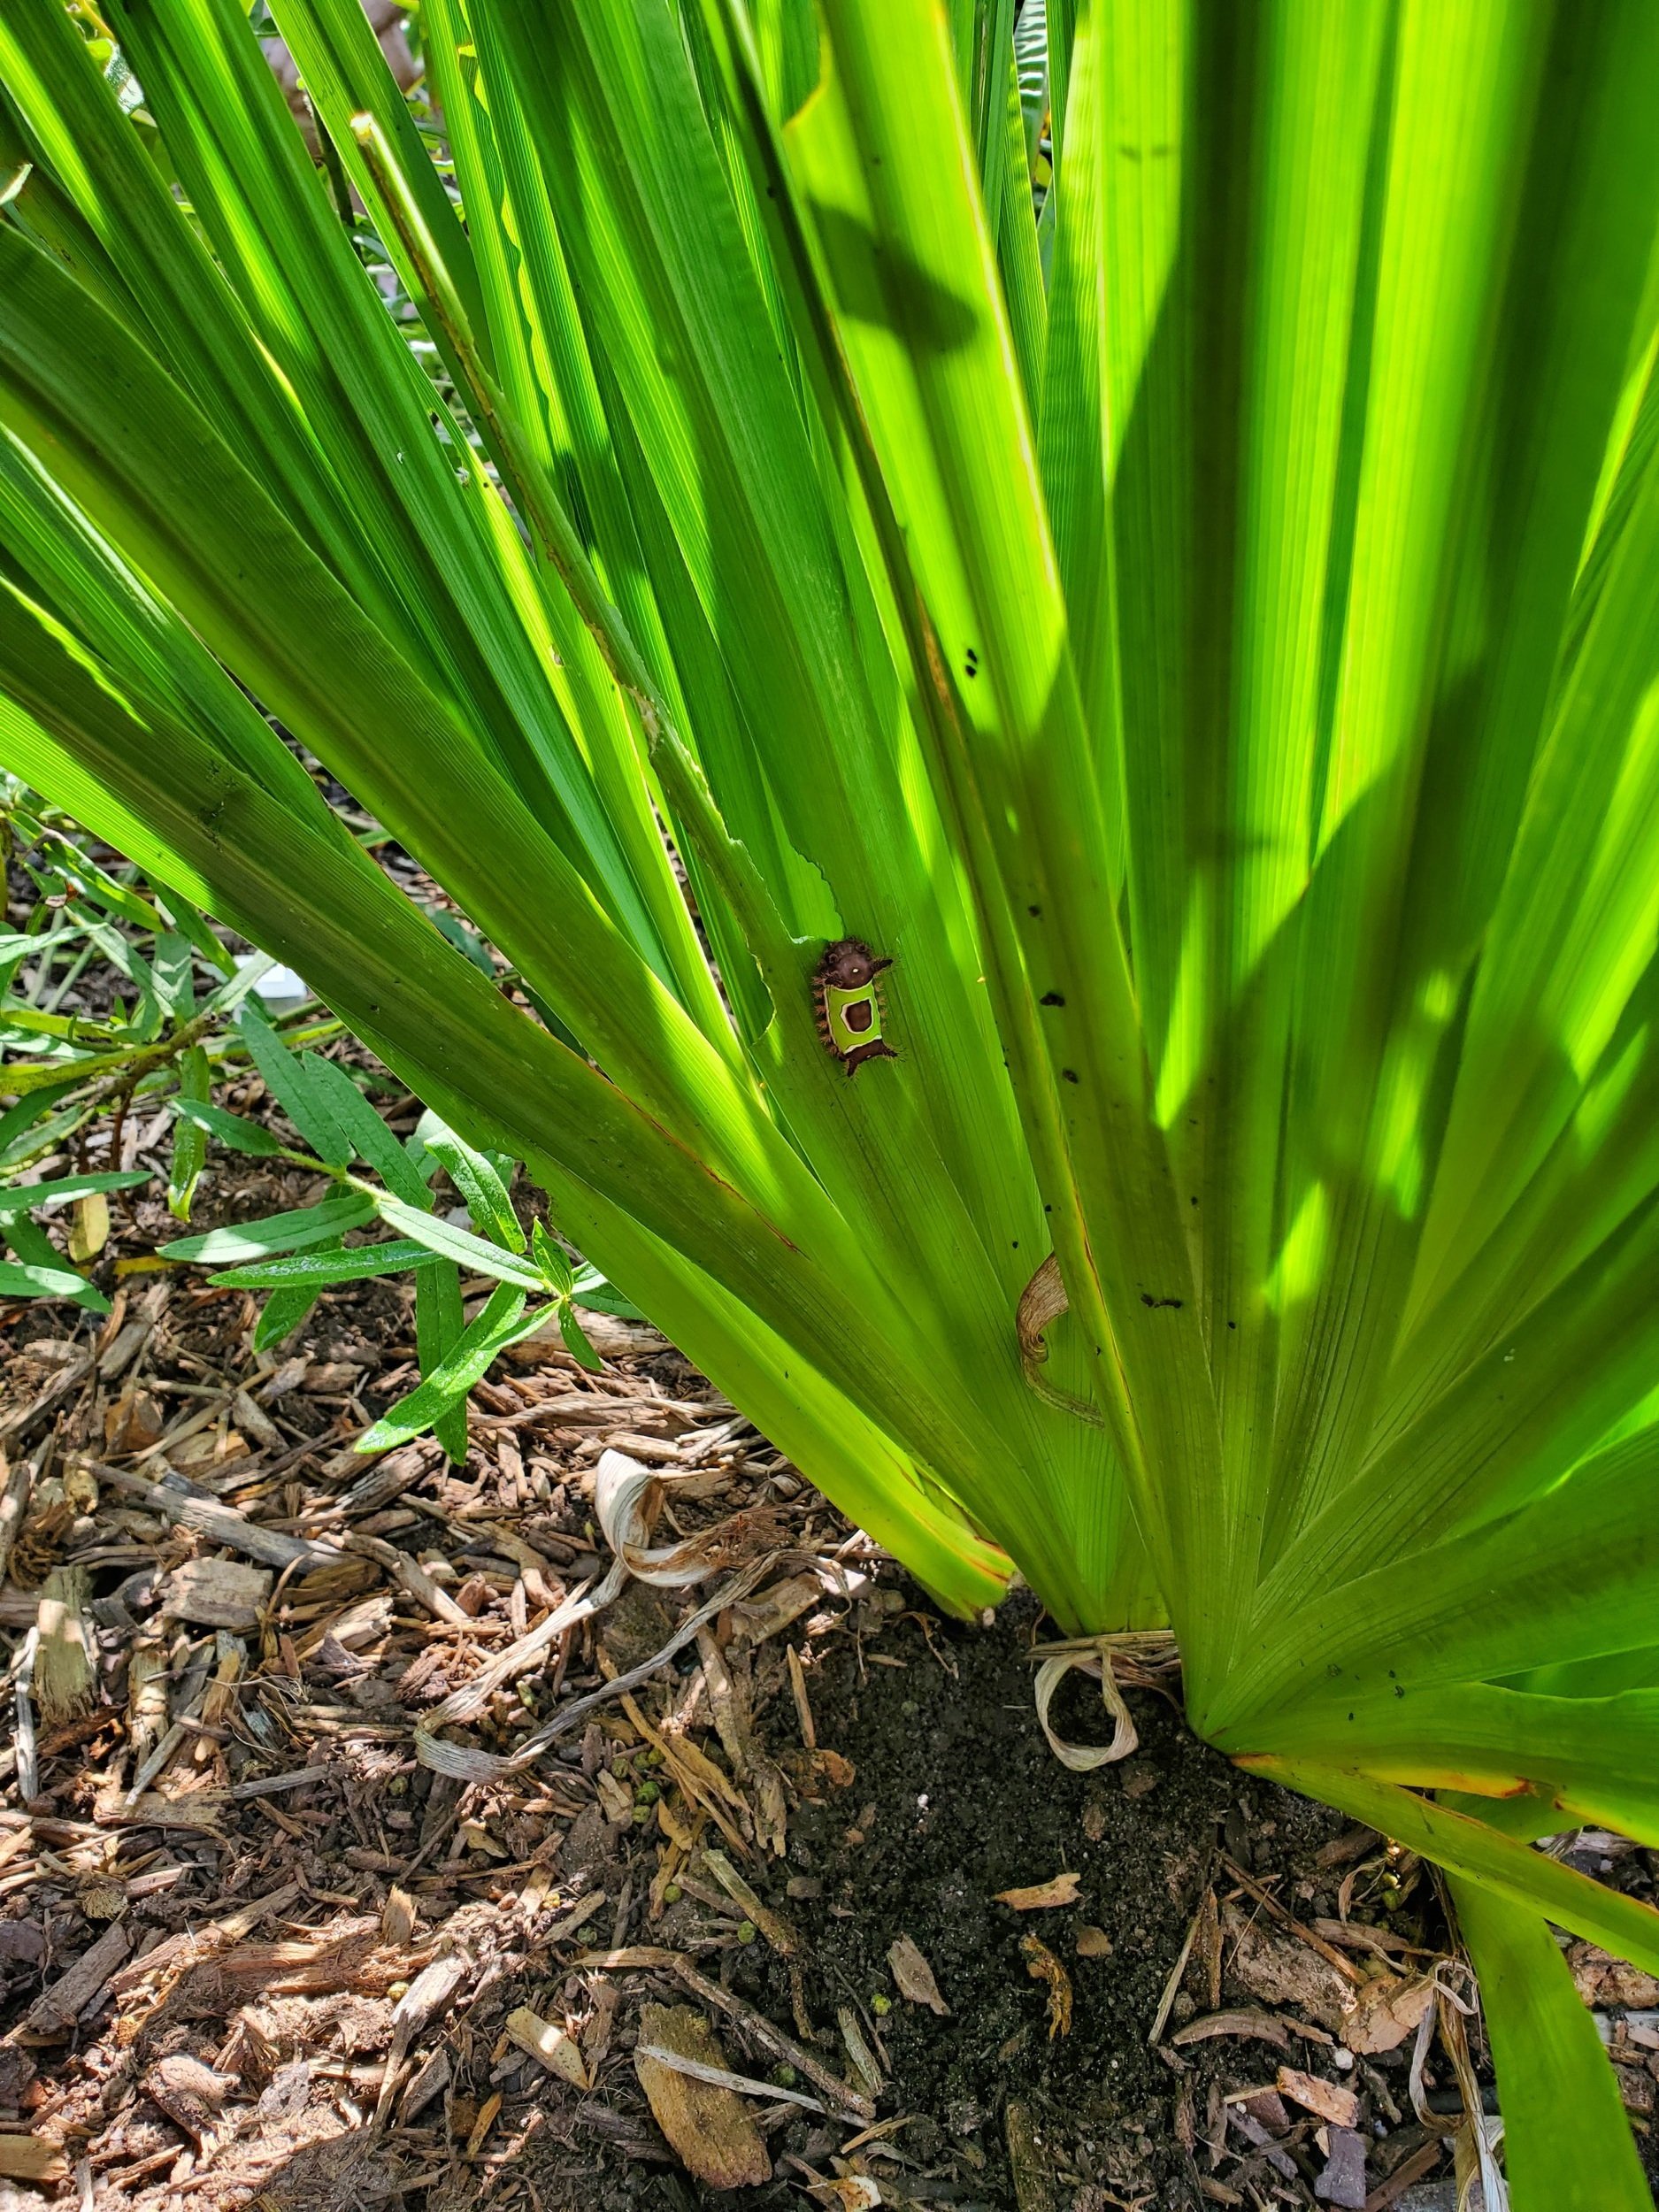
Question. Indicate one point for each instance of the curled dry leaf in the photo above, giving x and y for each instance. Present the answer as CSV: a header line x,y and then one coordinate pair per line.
x,y
1041,1895
1042,1966
1088,1659
914,1977
626,1497
1042,1303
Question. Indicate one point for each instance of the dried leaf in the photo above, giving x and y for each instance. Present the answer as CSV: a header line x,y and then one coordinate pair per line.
x,y
1611,1984
914,1977
772,1925
1093,1943
88,1227
1386,2011
1042,1895
544,2040
708,2127
1042,1966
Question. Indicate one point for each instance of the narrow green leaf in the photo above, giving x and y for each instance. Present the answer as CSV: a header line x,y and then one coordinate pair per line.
x,y
439,1324
291,1083
281,1314
1567,2143
451,1243
190,1139
282,1233
501,1322
318,1269
482,1191
22,1281
174,975
231,1129
26,1198
550,1257
576,1342
362,1128
192,923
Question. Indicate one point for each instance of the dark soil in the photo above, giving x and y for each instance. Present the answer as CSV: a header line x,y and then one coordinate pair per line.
x,y
954,1796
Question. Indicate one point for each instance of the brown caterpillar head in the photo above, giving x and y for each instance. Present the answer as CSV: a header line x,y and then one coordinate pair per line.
x,y
849,965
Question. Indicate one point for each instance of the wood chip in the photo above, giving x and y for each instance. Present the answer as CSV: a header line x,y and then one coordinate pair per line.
x,y
1405,2176
15,1481
31,2158
1328,2099
803,1703
709,2127
398,1919
914,1977
1029,2162
1043,1896
55,2008
563,1929
189,2093
217,1594
188,1508
1341,2182
772,1925
1260,2024
550,2045
1278,1970
63,1660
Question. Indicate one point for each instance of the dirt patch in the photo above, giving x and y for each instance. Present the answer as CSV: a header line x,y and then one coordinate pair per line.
x,y
948,1796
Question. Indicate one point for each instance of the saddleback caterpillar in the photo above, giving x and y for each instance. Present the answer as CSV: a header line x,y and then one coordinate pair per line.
x,y
849,1003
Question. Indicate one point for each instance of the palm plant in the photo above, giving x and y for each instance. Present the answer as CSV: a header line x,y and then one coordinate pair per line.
x,y
1203,633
